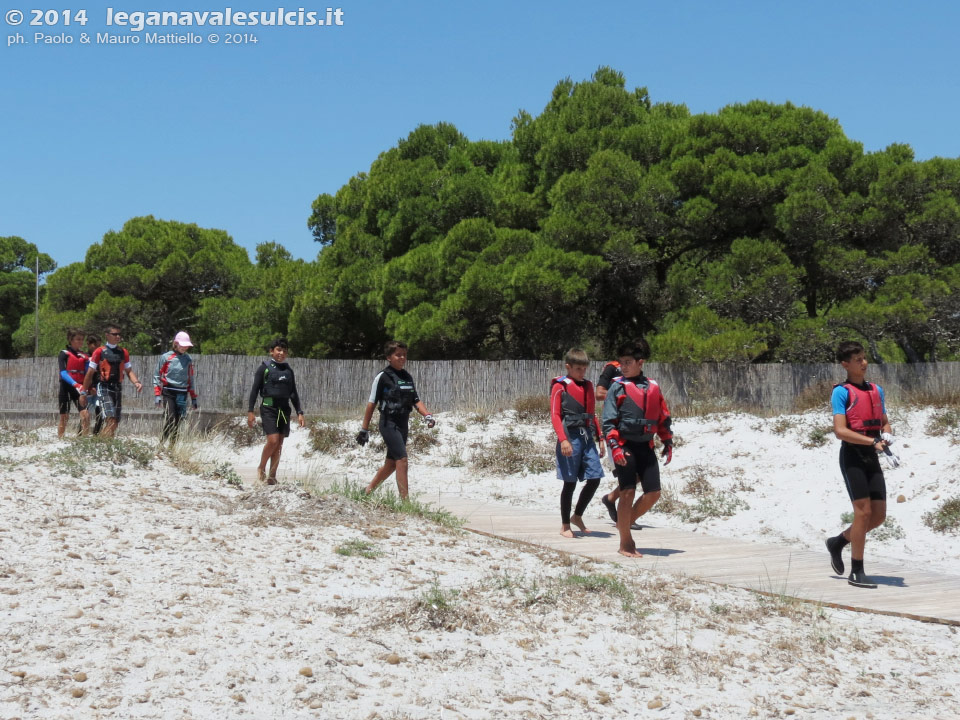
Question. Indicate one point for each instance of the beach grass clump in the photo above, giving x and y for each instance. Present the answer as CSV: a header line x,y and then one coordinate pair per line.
x,y
604,585
358,548
945,518
813,397
223,471
512,455
943,422
532,408
711,506
328,438
421,438
86,453
440,604
239,434
817,437
388,500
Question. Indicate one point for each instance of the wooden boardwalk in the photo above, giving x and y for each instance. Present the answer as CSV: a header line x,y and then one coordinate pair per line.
x,y
770,569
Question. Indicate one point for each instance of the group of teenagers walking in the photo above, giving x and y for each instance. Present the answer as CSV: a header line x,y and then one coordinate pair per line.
x,y
634,413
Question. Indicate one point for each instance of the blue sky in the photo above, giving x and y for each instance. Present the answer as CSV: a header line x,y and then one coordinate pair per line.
x,y
244,137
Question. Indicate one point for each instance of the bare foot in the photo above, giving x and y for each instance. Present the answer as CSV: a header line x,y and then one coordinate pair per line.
x,y
630,553
261,475
578,521
566,532
271,481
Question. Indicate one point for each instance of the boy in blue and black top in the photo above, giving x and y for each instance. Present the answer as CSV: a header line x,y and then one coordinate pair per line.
x,y
394,393
274,380
860,423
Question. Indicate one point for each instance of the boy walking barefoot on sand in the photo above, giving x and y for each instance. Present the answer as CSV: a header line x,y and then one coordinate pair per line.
x,y
860,422
572,412
633,412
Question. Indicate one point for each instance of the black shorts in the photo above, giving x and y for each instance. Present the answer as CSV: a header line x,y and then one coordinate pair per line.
x,y
276,419
393,430
642,468
862,473
68,395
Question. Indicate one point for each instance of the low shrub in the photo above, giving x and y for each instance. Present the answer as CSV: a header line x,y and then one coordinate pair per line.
x,y
512,455
329,438
532,408
943,422
945,518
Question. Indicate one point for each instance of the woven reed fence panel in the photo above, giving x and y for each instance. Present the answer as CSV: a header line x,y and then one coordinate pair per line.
x,y
224,382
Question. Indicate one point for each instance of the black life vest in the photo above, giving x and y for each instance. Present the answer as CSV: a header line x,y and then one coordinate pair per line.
x,y
278,381
864,409
398,393
574,414
111,365
639,410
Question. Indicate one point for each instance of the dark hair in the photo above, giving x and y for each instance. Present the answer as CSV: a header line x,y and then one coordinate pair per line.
x,y
576,356
639,349
280,342
847,349
72,333
391,347
95,339
108,328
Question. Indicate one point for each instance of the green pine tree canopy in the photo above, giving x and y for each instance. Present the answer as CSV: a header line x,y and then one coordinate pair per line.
x,y
759,233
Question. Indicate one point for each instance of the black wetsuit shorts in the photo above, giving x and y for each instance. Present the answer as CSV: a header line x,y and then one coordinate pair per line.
x,y
393,430
68,395
860,467
276,418
642,468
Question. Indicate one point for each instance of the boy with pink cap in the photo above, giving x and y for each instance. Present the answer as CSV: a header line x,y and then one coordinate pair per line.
x,y
172,383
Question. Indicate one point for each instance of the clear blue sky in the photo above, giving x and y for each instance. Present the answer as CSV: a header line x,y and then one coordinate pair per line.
x,y
244,137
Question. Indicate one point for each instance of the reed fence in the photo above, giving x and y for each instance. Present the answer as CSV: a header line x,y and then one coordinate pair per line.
x,y
334,386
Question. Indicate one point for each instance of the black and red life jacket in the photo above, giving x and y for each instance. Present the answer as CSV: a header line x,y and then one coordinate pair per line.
x,y
864,409
111,365
574,414
76,364
639,410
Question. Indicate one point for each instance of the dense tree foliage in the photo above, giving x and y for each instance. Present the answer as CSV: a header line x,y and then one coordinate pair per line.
x,y
150,278
759,233
18,278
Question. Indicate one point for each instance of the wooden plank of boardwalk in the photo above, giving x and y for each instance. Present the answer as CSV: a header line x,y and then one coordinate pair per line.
x,y
766,568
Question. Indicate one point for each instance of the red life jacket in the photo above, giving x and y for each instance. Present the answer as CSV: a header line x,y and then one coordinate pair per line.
x,y
864,409
615,363
76,365
639,410
575,415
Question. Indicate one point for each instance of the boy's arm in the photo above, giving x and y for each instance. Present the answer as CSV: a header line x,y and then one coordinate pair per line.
x,y
556,414
367,416
663,427
609,416
157,383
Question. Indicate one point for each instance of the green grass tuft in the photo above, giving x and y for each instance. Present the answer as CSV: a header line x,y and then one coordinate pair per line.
x,y
946,518
358,547
390,501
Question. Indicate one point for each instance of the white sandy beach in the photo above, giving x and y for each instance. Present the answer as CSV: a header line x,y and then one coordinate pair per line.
x,y
131,591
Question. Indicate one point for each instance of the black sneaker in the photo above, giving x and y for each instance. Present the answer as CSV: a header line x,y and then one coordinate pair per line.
x,y
836,559
860,579
610,505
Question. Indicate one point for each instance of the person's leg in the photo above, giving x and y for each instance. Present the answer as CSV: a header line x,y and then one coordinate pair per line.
x,y
62,425
64,405
878,513
275,459
648,471
627,545
269,448
566,502
382,474
586,495
169,405
402,483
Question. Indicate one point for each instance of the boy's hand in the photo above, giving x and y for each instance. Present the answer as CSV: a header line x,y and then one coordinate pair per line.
x,y
618,455
566,449
363,437
602,449
428,418
667,451
251,420
888,438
